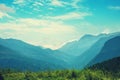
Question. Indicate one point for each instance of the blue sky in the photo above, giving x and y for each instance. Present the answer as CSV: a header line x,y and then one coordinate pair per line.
x,y
51,23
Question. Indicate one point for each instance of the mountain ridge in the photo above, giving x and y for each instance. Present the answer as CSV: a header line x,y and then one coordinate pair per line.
x,y
88,48
110,50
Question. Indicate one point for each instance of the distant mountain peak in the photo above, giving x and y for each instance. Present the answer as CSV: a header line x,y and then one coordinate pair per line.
x,y
87,36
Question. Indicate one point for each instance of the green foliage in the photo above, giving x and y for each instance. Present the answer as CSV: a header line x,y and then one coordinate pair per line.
x,y
86,74
112,65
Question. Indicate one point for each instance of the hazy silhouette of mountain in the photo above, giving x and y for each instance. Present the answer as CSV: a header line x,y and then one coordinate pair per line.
x,y
82,60
23,55
74,55
110,50
76,48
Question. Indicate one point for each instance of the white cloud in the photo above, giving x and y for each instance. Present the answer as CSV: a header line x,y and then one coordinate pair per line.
x,y
4,8
114,7
39,32
23,3
57,3
38,4
71,15
29,3
61,3
36,25
75,3
4,15
18,1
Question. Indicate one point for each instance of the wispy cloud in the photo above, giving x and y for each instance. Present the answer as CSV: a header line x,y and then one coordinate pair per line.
x,y
38,4
5,10
19,2
57,3
75,3
42,31
71,15
2,14
38,25
60,3
114,7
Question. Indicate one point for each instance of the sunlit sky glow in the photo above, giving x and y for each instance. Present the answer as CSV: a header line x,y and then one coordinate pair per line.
x,y
51,23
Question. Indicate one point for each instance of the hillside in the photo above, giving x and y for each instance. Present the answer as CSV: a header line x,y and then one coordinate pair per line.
x,y
82,60
20,55
23,56
112,65
111,49
77,47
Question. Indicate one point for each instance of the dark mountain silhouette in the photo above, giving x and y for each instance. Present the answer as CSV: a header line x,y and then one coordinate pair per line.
x,y
112,65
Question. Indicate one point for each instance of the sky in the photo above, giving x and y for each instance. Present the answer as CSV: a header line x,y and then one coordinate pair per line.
x,y
52,23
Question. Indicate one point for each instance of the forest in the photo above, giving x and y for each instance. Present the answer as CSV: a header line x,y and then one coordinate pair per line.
x,y
86,74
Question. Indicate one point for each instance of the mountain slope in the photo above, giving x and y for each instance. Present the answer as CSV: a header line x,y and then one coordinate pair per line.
x,y
4,51
112,65
37,58
76,48
110,50
12,59
29,55
82,60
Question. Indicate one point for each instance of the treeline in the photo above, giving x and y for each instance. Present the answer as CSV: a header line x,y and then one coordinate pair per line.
x,y
86,74
112,65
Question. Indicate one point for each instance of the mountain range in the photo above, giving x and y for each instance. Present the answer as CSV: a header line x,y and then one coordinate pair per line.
x,y
85,58
111,49
78,54
25,55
